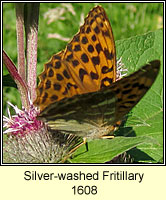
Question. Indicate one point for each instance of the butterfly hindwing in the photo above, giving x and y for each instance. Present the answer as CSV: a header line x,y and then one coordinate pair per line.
x,y
109,104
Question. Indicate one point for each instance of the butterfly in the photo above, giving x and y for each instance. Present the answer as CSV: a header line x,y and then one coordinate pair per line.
x,y
78,92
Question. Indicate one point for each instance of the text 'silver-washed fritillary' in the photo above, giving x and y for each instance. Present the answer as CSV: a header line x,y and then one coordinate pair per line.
x,y
78,92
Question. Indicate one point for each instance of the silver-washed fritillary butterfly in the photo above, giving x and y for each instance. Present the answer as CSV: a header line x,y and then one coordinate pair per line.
x,y
78,92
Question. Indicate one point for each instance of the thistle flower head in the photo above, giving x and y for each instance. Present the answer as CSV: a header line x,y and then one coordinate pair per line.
x,y
23,122
29,140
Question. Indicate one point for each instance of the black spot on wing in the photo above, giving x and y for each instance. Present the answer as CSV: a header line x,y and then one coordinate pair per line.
x,y
69,57
84,40
56,57
65,73
98,47
90,48
44,97
94,38
106,79
97,30
77,47
84,58
57,86
54,98
40,90
59,77
88,30
106,69
82,73
94,75
47,84
108,55
96,60
75,63
69,85
50,73
57,64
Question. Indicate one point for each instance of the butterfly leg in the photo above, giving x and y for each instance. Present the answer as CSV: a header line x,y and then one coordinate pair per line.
x,y
78,146
86,145
108,137
75,148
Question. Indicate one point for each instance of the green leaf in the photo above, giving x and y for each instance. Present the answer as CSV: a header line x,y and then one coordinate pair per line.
x,y
147,117
145,122
103,150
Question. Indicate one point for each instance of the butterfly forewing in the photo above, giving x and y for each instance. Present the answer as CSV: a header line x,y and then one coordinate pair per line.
x,y
90,56
49,90
87,64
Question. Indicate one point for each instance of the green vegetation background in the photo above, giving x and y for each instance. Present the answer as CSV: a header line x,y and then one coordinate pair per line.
x,y
127,19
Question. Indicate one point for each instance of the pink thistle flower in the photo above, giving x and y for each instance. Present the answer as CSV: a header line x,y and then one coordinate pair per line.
x,y
23,122
29,140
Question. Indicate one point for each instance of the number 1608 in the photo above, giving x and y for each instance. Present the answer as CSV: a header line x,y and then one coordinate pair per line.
x,y
85,189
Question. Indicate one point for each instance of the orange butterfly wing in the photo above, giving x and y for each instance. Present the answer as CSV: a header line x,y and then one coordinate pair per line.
x,y
86,65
